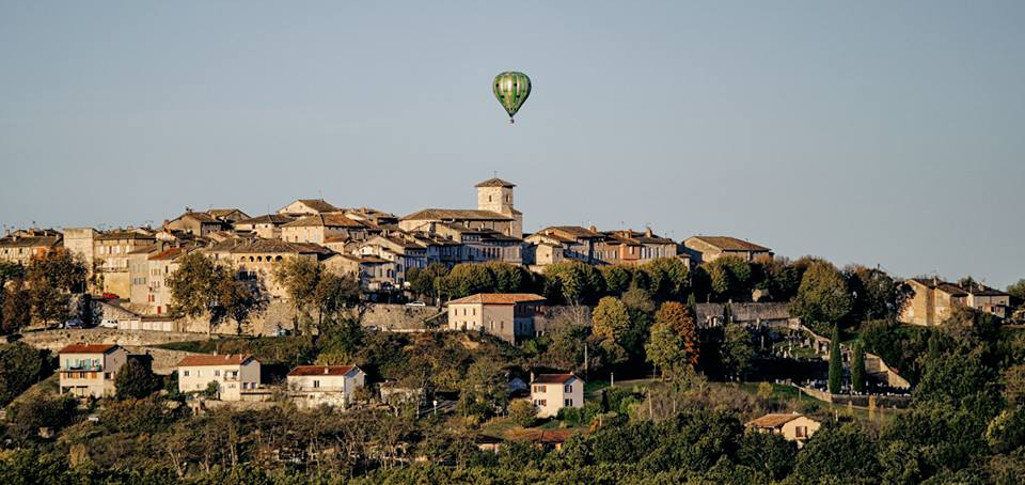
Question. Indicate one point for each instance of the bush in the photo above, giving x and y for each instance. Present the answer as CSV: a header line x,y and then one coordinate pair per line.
x,y
523,413
135,380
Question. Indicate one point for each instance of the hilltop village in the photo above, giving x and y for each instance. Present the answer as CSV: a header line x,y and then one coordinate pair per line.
x,y
353,344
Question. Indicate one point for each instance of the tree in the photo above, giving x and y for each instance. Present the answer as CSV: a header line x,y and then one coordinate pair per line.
x,y
616,277
730,277
823,298
666,351
573,282
299,277
238,300
667,278
876,294
838,453
523,413
335,293
858,367
1017,292
835,363
468,279
17,307
23,366
678,316
427,281
483,391
611,324
736,351
52,278
135,380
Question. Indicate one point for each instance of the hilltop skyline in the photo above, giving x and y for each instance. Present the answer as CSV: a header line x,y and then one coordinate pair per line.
x,y
876,134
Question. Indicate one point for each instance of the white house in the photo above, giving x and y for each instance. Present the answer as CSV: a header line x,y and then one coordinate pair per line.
x,y
310,386
233,373
551,392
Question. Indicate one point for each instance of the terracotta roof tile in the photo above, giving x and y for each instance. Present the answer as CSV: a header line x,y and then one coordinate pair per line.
x,y
496,182
728,243
499,298
201,360
553,378
88,348
322,370
773,420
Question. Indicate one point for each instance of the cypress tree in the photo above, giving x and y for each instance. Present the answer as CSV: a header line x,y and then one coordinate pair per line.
x,y
858,368
835,363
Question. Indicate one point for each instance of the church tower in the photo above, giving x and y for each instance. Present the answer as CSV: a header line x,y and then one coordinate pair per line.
x,y
496,195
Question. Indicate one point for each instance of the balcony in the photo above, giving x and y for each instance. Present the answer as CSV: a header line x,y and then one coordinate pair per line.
x,y
82,368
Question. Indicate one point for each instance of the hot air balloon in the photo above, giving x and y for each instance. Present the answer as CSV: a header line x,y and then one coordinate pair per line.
x,y
511,88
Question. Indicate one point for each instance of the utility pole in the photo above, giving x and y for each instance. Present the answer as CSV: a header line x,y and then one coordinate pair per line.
x,y
586,376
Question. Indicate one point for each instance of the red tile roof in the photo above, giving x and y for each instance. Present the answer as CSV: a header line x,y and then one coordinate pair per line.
x,y
499,298
773,420
553,378
727,243
496,182
206,360
88,349
322,370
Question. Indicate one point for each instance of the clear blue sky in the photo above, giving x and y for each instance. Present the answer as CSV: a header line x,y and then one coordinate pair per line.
x,y
876,132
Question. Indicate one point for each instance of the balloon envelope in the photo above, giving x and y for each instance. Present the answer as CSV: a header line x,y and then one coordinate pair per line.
x,y
511,88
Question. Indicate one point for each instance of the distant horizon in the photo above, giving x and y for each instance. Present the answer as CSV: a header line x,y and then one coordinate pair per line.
x,y
874,133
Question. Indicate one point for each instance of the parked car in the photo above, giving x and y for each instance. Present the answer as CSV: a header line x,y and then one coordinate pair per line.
x,y
74,323
281,332
109,323
111,296
416,303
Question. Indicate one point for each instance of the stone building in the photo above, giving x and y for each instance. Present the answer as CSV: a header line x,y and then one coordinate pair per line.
x,y
509,316
308,207
792,427
319,228
196,223
24,246
935,300
705,249
265,226
494,211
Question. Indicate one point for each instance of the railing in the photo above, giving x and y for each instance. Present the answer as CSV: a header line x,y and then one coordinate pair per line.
x,y
82,368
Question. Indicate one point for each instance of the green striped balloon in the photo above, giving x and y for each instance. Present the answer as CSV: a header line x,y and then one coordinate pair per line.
x,y
511,88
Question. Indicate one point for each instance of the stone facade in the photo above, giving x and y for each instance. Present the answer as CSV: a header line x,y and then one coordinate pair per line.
x,y
508,316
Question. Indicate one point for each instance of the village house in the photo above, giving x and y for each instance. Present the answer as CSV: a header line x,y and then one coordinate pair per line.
x,y
311,386
307,207
375,275
110,257
406,253
632,247
560,243
24,246
551,392
508,316
372,216
792,427
266,226
196,223
481,245
704,249
148,270
229,215
89,370
934,301
254,259
494,211
318,228
234,374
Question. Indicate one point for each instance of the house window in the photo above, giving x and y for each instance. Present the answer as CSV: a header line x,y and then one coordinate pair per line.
x,y
217,373
316,384
801,431
569,402
568,389
185,373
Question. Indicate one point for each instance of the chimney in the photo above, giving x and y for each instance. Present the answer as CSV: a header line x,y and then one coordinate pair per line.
x,y
325,370
647,231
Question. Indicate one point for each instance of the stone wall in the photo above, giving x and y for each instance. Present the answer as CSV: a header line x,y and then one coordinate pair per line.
x,y
397,317
54,340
